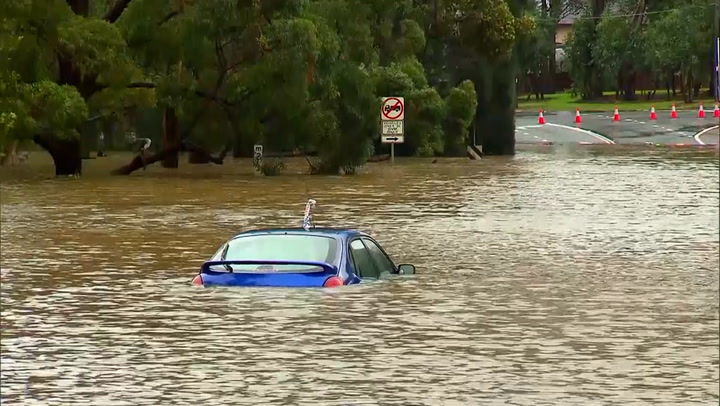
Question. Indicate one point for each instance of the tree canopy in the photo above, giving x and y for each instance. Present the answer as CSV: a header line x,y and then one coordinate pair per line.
x,y
288,74
613,41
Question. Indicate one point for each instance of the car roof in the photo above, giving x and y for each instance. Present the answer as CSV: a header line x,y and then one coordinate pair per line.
x,y
318,231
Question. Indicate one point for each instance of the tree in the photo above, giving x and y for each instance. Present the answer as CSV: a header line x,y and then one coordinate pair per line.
x,y
619,42
672,44
294,75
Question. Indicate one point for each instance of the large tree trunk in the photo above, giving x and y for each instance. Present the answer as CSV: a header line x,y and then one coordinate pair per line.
x,y
496,115
10,153
171,138
199,155
143,161
65,153
688,86
629,82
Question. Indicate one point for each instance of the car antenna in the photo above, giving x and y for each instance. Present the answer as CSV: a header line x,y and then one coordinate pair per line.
x,y
307,220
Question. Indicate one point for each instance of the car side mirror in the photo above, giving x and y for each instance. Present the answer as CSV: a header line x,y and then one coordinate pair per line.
x,y
406,269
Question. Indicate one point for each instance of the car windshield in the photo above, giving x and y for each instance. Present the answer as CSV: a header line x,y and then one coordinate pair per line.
x,y
277,247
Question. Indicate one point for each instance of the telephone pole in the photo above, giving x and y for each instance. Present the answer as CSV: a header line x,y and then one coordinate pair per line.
x,y
716,41
716,47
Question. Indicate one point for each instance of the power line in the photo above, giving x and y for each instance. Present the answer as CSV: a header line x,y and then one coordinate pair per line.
x,y
646,13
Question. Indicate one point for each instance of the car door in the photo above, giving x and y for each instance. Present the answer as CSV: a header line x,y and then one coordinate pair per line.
x,y
362,261
382,262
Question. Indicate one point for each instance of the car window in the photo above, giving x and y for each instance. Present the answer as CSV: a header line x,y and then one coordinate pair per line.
x,y
364,265
278,247
384,264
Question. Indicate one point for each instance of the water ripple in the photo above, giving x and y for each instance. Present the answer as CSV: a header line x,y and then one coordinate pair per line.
x,y
543,280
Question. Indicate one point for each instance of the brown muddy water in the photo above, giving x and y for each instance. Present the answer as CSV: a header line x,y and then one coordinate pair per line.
x,y
554,278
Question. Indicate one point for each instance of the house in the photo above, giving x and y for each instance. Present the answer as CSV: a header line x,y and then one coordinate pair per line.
x,y
562,32
563,29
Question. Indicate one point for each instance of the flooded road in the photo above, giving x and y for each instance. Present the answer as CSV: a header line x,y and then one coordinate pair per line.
x,y
565,278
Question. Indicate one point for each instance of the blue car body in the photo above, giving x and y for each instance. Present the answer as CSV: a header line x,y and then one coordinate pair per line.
x,y
296,257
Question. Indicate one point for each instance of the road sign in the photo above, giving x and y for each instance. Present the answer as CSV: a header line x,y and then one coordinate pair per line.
x,y
394,127
393,108
258,152
393,139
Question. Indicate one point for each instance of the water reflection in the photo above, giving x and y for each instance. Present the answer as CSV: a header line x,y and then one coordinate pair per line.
x,y
579,278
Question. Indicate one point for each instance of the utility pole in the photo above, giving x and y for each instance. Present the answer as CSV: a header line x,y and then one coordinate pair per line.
x,y
716,51
716,31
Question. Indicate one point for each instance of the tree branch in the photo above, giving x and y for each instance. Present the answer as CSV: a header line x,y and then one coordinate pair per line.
x,y
212,96
116,10
169,17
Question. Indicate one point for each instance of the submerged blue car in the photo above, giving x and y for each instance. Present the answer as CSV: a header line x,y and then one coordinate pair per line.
x,y
299,257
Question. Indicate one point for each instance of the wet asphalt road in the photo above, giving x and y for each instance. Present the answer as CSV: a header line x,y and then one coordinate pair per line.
x,y
633,128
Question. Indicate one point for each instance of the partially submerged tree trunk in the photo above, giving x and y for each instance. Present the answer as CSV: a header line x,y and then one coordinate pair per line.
x,y
195,157
199,155
65,153
140,162
10,153
496,115
171,138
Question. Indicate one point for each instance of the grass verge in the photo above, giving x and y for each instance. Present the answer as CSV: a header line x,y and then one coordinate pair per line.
x,y
566,102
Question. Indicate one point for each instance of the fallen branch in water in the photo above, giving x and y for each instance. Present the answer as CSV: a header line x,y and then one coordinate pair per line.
x,y
379,158
138,162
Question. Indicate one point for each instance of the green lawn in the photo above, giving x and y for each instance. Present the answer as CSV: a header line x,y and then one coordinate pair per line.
x,y
565,102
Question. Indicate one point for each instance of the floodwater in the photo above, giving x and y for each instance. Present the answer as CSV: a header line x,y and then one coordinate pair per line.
x,y
564,278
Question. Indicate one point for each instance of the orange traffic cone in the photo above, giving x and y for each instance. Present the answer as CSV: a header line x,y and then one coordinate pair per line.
x,y
541,118
616,116
673,112
578,119
716,112
701,111
653,114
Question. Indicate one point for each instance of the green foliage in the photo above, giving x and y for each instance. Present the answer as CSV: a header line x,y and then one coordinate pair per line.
x,y
301,74
674,37
270,166
485,26
617,44
672,44
533,45
460,104
579,50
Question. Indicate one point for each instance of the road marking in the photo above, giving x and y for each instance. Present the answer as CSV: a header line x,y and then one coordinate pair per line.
x,y
700,134
584,131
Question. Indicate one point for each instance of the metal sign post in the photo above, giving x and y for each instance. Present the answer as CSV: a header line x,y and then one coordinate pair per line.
x,y
392,117
257,155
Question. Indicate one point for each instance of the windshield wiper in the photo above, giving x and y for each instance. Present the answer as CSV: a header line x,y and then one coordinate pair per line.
x,y
223,256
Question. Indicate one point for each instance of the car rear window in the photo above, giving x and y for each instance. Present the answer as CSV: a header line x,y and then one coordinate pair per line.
x,y
278,247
